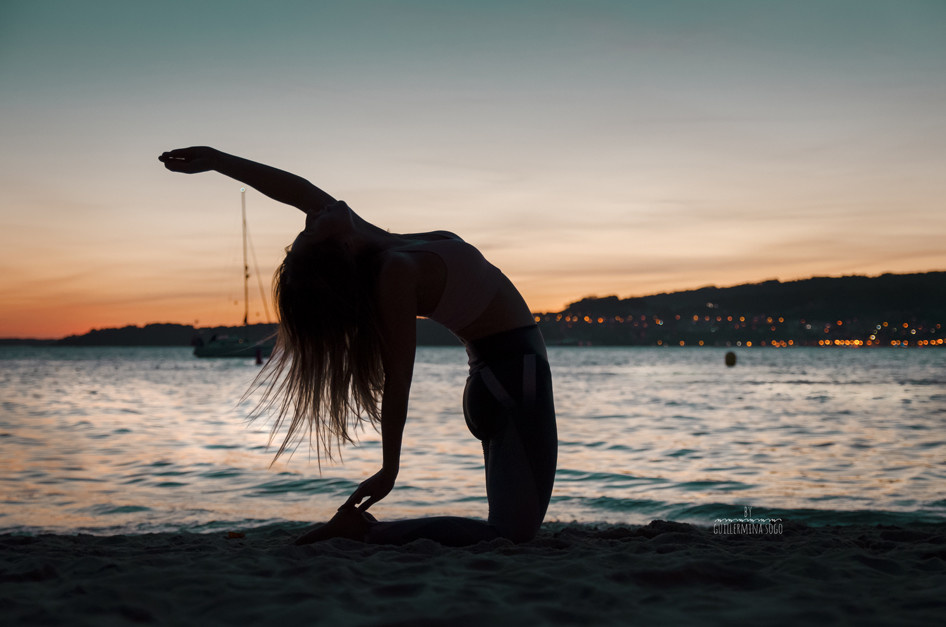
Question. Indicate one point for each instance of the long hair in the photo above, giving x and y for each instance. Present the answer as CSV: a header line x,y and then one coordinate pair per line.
x,y
325,375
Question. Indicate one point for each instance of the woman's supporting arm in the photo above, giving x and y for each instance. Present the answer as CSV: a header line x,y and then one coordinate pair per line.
x,y
398,320
279,185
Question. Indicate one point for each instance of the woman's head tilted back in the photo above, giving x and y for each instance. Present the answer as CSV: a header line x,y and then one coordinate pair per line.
x,y
326,373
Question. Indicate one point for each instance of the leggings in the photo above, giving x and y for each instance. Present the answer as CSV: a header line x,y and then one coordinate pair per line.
x,y
508,406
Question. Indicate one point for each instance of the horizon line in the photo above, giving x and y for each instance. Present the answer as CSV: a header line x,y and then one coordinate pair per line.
x,y
534,313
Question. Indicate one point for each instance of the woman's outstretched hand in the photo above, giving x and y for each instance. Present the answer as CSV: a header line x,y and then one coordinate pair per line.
x,y
190,160
372,489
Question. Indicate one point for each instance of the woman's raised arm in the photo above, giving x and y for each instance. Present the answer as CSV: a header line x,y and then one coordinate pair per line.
x,y
279,185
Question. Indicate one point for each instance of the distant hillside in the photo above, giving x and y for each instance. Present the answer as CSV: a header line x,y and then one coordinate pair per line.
x,y
890,309
819,297
150,335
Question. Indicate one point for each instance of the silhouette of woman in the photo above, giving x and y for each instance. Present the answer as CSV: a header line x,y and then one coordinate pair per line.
x,y
348,295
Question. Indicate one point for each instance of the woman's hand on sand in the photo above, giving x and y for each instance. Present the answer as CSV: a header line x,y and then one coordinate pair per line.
x,y
372,490
190,160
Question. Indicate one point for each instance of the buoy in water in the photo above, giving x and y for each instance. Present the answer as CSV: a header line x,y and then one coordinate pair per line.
x,y
730,359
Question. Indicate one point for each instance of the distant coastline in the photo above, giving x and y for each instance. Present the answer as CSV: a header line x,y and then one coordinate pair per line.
x,y
888,310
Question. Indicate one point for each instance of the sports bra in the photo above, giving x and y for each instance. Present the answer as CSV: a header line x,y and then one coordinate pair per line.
x,y
470,285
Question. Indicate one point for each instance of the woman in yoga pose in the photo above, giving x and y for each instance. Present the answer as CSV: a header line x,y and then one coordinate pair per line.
x,y
348,295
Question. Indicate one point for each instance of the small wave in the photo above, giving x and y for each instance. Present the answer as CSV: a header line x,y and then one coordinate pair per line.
x,y
110,509
724,486
226,473
304,486
568,475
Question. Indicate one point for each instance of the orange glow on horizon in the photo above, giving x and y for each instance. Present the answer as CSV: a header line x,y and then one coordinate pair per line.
x,y
80,318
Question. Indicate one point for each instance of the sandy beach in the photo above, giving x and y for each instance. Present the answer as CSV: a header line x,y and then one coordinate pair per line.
x,y
661,573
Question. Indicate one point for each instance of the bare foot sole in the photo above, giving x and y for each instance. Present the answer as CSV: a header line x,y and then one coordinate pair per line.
x,y
348,523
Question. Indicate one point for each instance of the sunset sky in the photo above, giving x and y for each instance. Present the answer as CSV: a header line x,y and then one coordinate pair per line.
x,y
588,148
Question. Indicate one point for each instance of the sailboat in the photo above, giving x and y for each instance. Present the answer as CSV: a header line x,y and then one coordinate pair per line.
x,y
239,345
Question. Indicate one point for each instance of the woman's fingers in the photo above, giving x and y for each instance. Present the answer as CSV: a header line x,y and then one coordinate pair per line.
x,y
353,500
372,489
176,154
174,159
187,160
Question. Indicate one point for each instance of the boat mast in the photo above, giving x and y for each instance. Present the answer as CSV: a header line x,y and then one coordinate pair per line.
x,y
246,267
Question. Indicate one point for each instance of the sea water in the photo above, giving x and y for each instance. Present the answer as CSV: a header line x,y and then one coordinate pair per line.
x,y
130,440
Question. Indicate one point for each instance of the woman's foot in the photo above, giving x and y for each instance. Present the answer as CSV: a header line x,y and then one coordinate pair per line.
x,y
349,522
